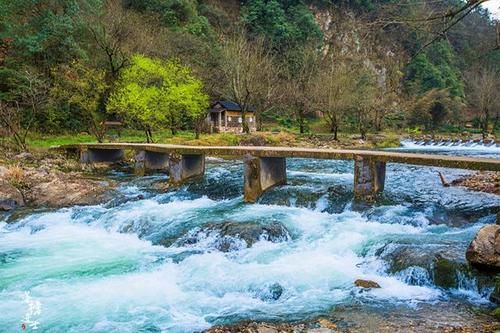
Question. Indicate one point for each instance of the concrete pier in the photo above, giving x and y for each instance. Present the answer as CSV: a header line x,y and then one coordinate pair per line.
x,y
369,178
96,155
149,160
265,167
262,173
185,166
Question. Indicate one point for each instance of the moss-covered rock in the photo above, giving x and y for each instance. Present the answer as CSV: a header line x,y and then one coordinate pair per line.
x,y
445,272
495,295
444,264
496,313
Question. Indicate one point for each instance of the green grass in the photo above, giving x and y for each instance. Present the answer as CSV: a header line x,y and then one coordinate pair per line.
x,y
46,141
274,136
42,142
388,140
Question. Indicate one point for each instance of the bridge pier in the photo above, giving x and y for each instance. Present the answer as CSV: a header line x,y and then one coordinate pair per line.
x,y
94,155
369,178
185,166
149,160
262,173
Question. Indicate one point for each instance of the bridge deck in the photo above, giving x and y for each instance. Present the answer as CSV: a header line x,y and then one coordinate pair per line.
x,y
473,163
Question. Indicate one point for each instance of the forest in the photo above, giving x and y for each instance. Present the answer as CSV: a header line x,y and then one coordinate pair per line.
x,y
361,66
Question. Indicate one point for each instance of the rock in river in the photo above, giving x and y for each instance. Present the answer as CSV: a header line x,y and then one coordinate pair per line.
x,y
484,250
419,264
229,236
367,284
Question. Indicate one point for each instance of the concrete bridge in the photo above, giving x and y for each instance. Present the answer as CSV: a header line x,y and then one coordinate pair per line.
x,y
265,167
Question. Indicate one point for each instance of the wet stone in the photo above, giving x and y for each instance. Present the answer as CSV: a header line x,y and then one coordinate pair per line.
x,y
441,264
7,205
231,236
484,250
291,197
366,284
271,293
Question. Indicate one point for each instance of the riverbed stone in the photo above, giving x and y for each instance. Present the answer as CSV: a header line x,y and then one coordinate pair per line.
x,y
7,204
24,156
484,250
366,284
10,196
271,293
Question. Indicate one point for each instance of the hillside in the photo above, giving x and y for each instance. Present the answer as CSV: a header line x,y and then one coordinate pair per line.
x,y
359,66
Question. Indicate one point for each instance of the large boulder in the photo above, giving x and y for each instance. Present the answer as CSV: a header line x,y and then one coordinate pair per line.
x,y
230,236
420,264
484,250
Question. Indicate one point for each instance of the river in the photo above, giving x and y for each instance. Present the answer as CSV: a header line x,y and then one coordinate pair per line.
x,y
150,261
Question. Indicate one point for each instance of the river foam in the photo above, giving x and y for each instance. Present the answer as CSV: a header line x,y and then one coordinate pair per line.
x,y
117,267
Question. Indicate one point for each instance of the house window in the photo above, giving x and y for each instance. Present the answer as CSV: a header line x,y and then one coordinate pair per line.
x,y
240,120
228,118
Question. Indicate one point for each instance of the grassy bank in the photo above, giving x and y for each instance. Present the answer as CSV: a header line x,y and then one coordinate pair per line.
x,y
275,138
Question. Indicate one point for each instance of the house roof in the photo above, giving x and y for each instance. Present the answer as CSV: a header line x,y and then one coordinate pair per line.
x,y
229,106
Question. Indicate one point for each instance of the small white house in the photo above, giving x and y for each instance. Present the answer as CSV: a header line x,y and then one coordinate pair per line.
x,y
225,116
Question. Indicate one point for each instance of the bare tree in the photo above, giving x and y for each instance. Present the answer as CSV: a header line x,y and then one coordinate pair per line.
x,y
332,94
249,73
484,95
118,33
298,87
19,114
432,18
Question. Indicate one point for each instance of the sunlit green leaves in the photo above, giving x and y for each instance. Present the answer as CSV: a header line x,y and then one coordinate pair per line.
x,y
155,93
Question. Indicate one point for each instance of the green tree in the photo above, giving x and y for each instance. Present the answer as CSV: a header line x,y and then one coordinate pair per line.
x,y
435,69
176,14
433,108
155,93
82,87
44,32
285,23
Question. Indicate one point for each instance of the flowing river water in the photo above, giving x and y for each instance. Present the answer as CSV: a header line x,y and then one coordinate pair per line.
x,y
156,261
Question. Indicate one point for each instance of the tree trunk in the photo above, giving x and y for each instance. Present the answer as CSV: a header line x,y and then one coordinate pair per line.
x,y
300,120
150,135
244,124
485,123
495,122
197,130
258,121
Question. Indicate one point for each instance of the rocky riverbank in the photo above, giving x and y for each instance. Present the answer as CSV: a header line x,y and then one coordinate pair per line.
x,y
47,180
453,317
486,181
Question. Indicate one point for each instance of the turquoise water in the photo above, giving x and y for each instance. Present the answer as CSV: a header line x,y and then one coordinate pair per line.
x,y
144,263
